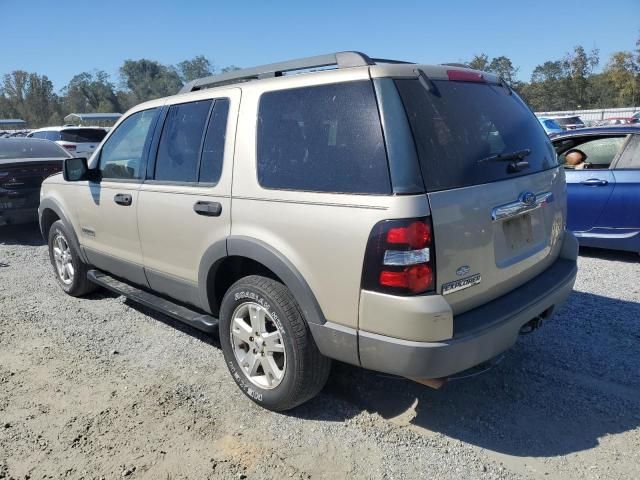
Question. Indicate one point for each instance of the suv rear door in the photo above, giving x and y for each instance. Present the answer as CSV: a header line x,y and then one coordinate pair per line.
x,y
495,222
185,202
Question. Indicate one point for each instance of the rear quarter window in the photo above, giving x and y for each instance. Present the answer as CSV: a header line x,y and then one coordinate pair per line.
x,y
458,126
325,138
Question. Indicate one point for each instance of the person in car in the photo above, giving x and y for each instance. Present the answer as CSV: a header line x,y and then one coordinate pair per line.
x,y
575,159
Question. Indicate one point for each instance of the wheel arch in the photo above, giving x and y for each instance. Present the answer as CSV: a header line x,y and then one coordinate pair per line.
x,y
258,258
49,212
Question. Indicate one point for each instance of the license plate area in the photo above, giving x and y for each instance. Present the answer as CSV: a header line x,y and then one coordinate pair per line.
x,y
518,232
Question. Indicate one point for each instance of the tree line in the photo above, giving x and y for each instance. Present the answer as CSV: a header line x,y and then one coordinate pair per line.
x,y
574,81
32,97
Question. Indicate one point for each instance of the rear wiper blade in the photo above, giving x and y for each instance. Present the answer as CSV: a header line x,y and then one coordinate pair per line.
x,y
507,157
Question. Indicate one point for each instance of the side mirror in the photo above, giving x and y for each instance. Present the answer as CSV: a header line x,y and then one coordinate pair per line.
x,y
76,170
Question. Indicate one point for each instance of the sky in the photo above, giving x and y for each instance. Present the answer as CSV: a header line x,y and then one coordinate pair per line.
x,y
60,38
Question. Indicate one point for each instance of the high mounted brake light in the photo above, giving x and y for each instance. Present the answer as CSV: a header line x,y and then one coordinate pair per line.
x,y
464,76
399,257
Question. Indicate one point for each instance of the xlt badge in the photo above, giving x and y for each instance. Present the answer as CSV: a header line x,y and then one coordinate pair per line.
x,y
461,284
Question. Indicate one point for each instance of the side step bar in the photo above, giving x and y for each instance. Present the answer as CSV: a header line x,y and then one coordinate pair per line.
x,y
198,320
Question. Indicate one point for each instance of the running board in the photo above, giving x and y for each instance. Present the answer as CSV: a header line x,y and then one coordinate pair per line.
x,y
198,320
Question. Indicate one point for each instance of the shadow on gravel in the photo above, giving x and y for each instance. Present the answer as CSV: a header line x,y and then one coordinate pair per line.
x,y
558,391
181,327
27,234
615,255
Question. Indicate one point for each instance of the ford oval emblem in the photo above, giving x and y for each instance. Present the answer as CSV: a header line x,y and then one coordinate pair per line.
x,y
463,270
528,198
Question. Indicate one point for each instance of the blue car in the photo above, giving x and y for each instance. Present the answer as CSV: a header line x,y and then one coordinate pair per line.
x,y
550,125
602,166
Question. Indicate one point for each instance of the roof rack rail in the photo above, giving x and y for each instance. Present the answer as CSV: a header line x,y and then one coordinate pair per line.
x,y
340,59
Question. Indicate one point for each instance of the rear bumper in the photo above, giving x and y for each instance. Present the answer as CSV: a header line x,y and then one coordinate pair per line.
x,y
471,346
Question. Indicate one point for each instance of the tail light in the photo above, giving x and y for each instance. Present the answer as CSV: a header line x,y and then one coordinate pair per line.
x,y
68,147
400,257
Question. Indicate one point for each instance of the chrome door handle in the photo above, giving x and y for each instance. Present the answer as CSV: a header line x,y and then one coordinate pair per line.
x,y
595,182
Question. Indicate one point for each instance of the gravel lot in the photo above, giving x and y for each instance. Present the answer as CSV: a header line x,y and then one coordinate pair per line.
x,y
103,388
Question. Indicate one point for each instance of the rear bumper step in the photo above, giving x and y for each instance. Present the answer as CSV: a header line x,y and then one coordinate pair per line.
x,y
201,321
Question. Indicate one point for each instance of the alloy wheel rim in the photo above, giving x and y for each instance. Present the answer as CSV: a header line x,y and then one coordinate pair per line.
x,y
63,259
257,345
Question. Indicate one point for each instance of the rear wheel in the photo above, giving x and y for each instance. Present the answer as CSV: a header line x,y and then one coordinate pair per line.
x,y
70,270
267,345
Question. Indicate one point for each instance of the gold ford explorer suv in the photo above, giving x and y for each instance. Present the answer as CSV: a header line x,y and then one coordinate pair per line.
x,y
406,218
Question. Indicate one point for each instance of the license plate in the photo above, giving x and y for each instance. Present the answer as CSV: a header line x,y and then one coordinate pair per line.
x,y
518,232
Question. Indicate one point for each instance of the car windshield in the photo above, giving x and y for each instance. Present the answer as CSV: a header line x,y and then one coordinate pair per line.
x,y
30,148
552,124
83,135
470,133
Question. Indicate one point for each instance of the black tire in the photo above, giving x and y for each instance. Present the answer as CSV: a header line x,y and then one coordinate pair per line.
x,y
79,284
306,370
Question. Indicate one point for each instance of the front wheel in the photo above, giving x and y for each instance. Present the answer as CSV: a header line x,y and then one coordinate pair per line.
x,y
70,270
267,345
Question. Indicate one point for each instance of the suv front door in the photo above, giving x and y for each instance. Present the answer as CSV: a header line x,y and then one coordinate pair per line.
x,y
107,209
185,202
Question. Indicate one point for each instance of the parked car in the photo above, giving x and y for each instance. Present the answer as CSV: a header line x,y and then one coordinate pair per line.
x,y
24,164
604,196
550,125
613,121
79,141
386,215
569,123
635,118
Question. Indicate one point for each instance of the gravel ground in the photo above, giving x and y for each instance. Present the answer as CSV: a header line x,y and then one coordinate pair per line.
x,y
102,388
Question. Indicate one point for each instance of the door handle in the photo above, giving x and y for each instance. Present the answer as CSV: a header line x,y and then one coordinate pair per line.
x,y
208,209
123,199
595,182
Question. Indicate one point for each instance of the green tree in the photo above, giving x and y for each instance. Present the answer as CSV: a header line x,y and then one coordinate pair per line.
x,y
621,72
197,67
147,79
31,97
479,62
503,67
88,92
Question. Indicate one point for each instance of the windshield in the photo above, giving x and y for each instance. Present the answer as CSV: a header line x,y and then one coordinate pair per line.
x,y
83,135
30,148
470,133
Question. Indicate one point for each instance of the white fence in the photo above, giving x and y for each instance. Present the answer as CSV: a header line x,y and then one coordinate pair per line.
x,y
593,115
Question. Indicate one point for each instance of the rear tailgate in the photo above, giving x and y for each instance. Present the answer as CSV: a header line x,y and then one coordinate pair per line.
x,y
498,253
497,196
20,181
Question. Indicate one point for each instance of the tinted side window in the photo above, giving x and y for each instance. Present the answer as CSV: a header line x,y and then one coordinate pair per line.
x,y
631,156
122,153
213,150
326,138
52,135
180,142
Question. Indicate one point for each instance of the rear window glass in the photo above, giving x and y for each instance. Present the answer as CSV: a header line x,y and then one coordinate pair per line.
x,y
460,128
325,138
83,135
569,121
27,148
